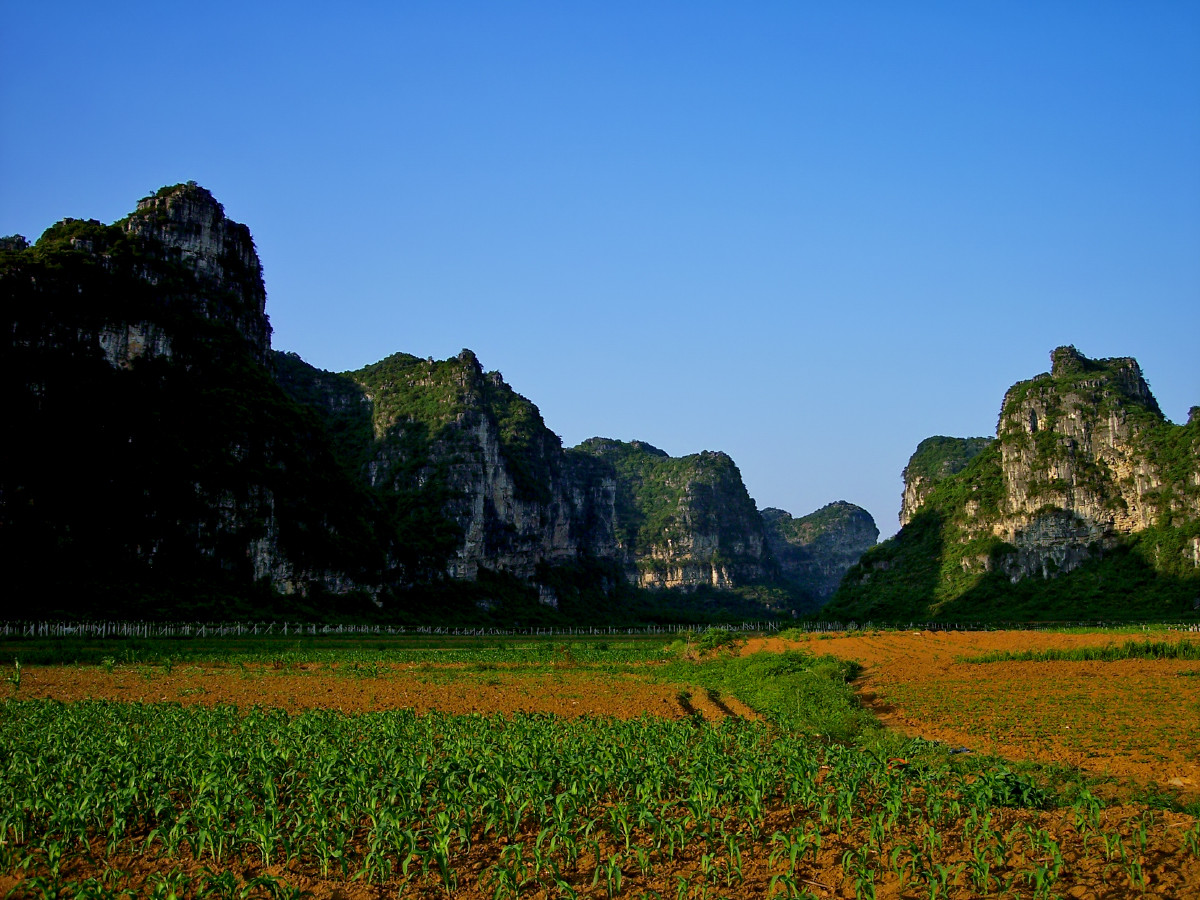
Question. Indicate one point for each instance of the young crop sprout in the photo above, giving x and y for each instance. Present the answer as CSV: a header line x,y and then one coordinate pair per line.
x,y
500,807
1191,839
15,678
858,865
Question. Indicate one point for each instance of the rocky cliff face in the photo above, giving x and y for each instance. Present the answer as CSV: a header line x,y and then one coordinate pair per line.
x,y
456,441
450,437
1086,475
215,467
935,459
157,456
1081,440
683,522
1079,465
145,278
517,499
191,228
815,551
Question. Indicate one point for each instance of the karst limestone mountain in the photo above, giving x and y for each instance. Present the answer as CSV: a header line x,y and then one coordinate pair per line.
x,y
816,551
171,462
1085,506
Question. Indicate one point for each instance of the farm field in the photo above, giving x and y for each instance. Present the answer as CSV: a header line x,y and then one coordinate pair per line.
x,y
1132,718
446,689
599,770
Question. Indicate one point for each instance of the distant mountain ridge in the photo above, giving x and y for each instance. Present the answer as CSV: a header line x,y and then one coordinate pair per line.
x,y
170,461
455,451
683,522
1086,505
815,551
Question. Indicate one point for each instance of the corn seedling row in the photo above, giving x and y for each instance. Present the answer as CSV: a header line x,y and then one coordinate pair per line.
x,y
492,806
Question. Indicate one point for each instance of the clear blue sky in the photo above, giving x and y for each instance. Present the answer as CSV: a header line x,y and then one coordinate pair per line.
x,y
808,234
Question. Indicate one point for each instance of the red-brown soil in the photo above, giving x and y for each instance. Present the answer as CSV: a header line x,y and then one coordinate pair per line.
x,y
1137,718
1170,870
453,689
1134,718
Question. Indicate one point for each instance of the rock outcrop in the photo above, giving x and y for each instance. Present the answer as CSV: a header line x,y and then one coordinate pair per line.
x,y
474,456
457,442
1077,440
1086,475
145,278
935,459
157,458
683,522
191,228
217,468
815,551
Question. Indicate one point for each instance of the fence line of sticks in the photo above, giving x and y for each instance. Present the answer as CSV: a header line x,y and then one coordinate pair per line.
x,y
116,629
120,629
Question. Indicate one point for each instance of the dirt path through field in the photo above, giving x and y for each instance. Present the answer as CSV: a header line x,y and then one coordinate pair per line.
x,y
1136,718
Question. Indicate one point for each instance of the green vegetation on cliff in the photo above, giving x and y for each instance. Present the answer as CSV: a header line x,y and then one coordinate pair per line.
x,y
1173,450
1029,529
442,400
813,552
663,500
404,388
832,518
147,486
650,489
939,457
529,447
1103,386
405,481
916,573
89,274
912,578
337,400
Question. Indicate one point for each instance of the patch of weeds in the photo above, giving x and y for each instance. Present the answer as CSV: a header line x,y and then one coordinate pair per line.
x,y
365,670
792,634
1156,796
693,646
1003,787
795,690
715,638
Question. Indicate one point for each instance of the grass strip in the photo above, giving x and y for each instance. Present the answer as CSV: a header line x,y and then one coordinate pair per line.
x,y
796,691
425,649
1107,653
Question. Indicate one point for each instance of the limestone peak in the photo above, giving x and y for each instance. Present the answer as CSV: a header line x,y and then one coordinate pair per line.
x,y
191,225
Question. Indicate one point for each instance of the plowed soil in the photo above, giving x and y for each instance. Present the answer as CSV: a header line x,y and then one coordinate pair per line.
x,y
1136,718
1169,871
450,688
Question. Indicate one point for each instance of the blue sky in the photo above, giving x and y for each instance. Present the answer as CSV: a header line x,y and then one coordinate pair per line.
x,y
807,234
